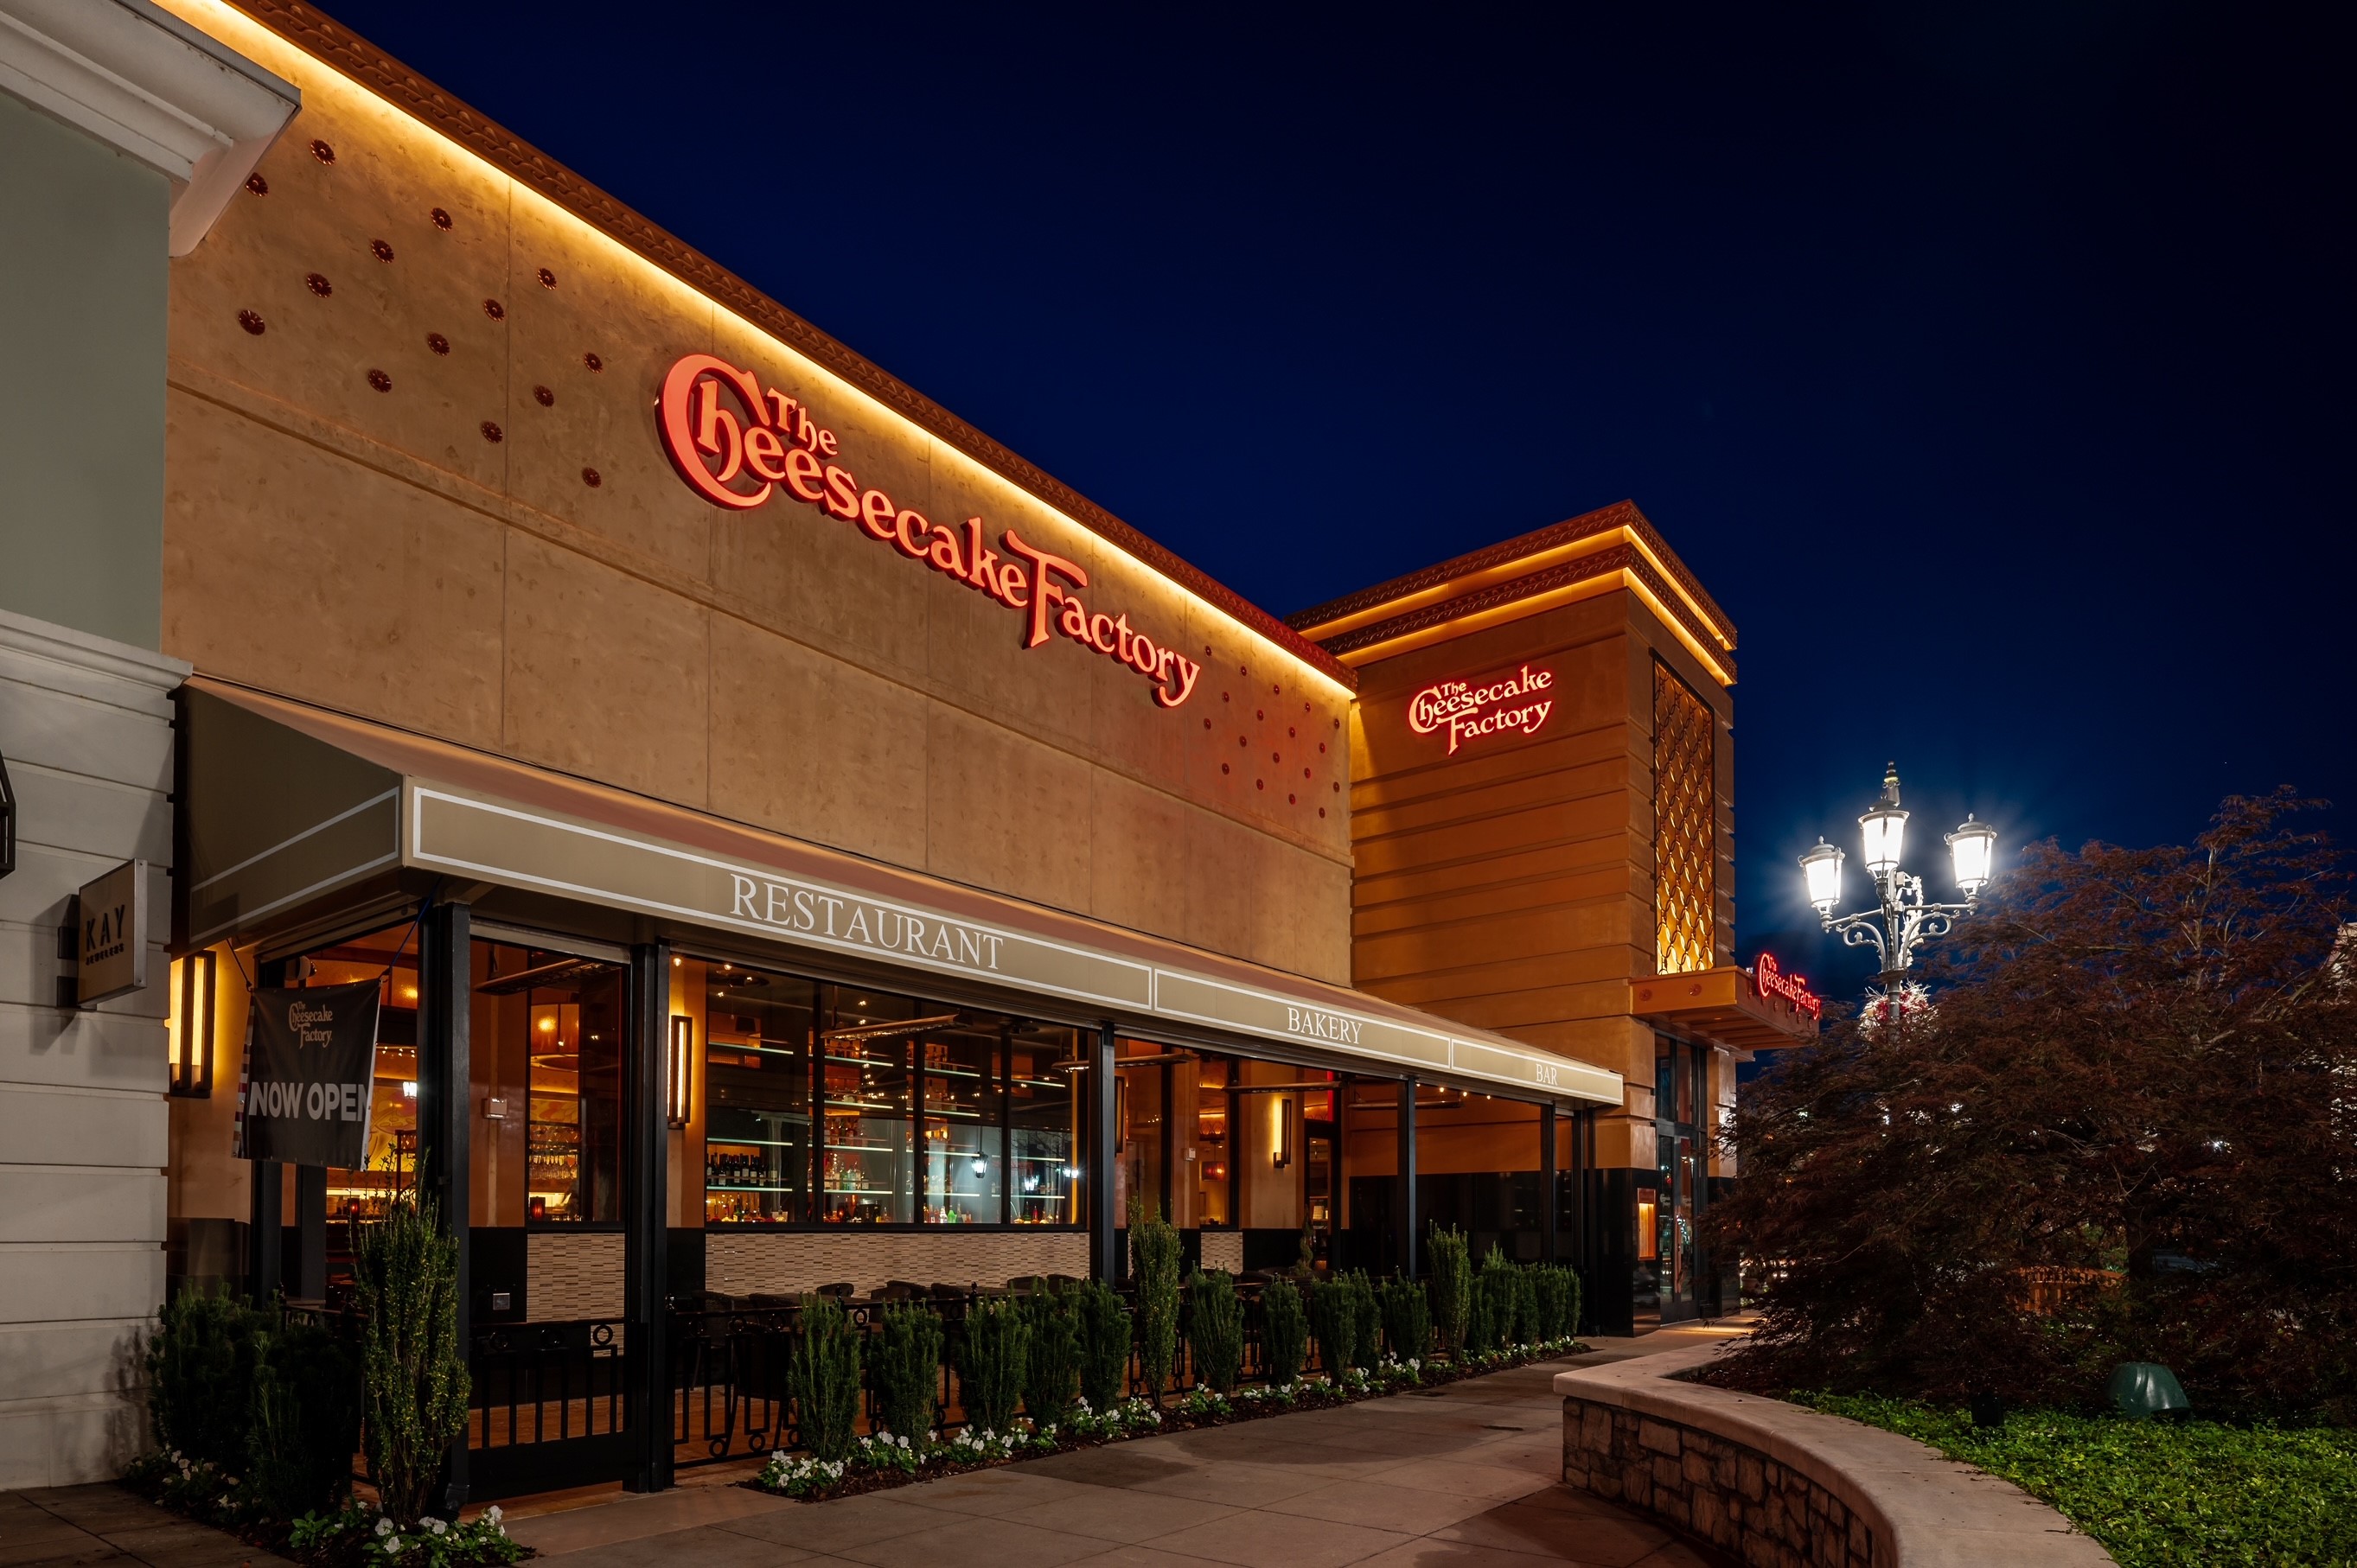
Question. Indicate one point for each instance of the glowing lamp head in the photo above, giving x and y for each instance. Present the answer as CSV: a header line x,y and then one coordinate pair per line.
x,y
1884,829
1973,845
1821,867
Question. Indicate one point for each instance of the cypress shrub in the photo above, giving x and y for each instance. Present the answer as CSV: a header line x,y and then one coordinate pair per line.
x,y
1334,1319
1557,1289
307,1421
1480,1316
825,1379
1407,1321
1105,1345
200,1375
1451,1286
1284,1331
1366,1318
904,1368
412,1367
1153,1263
1501,1283
1052,1361
995,1361
1526,1304
1216,1336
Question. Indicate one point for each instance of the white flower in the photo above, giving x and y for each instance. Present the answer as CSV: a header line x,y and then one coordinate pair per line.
x,y
384,1527
393,1546
439,1527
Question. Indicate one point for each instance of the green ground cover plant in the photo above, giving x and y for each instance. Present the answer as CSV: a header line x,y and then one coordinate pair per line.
x,y
2156,1494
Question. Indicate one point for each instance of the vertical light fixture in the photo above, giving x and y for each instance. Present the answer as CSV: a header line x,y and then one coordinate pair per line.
x,y
682,1067
1282,1156
192,1028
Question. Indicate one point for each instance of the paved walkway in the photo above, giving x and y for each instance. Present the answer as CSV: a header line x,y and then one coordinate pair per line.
x,y
1467,1475
104,1526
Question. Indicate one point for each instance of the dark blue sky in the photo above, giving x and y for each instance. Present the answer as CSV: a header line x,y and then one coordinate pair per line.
x,y
1991,364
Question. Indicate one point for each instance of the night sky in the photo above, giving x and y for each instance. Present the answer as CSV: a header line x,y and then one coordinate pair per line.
x,y
1990,364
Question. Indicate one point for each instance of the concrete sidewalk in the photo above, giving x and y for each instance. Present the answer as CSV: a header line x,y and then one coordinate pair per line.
x,y
1470,1474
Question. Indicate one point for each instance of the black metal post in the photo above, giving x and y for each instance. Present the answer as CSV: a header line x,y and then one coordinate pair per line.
x,y
646,1218
445,1092
311,1232
1407,1226
1104,1244
1547,1245
265,1218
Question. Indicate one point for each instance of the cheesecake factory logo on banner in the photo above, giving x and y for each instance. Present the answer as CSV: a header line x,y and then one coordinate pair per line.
x,y
770,442
1518,704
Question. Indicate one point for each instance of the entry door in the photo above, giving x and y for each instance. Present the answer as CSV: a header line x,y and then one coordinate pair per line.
x,y
1321,1202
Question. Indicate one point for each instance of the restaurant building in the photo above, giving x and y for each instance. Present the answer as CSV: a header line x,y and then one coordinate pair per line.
x,y
800,844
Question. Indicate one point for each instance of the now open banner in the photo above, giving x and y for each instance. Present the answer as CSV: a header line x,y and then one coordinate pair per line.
x,y
309,1057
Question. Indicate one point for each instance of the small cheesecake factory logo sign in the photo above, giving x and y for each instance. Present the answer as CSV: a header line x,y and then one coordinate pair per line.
x,y
1472,711
736,443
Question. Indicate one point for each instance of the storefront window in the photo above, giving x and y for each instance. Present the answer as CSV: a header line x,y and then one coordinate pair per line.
x,y
758,1032
965,1156
1043,1100
868,1175
1213,1175
391,1162
564,1016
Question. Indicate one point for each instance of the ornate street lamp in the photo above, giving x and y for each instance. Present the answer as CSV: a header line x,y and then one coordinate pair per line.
x,y
1903,920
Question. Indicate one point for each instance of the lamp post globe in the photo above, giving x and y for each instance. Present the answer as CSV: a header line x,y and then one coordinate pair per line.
x,y
1820,870
1903,919
1973,847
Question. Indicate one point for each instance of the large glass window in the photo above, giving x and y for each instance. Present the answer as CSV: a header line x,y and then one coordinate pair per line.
x,y
1043,1094
759,1030
847,1105
391,1164
564,1016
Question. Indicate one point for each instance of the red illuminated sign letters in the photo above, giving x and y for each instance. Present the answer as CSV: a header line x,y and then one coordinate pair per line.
x,y
1793,988
722,430
1517,704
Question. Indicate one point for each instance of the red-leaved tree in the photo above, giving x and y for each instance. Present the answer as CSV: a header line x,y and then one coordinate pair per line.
x,y
2127,1129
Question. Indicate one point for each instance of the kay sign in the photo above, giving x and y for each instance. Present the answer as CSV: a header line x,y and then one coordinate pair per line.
x,y
1518,704
736,443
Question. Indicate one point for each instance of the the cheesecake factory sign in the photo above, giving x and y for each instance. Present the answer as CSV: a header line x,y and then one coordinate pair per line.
x,y
736,443
1485,708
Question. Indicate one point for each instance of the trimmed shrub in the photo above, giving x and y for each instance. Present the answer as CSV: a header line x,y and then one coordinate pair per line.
x,y
1155,1253
1482,1316
1451,1287
200,1372
994,1362
1216,1335
1105,1345
1283,1332
1367,1319
1501,1283
1408,1320
1334,1320
1557,1292
412,1367
1052,1362
825,1379
307,1421
904,1368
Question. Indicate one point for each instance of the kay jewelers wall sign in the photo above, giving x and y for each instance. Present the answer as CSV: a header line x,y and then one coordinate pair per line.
x,y
310,1058
736,443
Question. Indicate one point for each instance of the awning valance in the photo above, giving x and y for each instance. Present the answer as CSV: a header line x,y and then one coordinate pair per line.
x,y
292,807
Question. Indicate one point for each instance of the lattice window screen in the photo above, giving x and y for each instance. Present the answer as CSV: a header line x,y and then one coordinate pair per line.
x,y
1685,839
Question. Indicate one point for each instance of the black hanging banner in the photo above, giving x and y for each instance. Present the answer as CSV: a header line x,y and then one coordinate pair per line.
x,y
311,1054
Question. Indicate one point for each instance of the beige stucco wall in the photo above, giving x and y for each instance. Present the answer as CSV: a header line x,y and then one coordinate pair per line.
x,y
373,551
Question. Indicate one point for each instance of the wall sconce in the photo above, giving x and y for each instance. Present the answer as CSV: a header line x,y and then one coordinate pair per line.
x,y
682,1066
192,1029
1282,1156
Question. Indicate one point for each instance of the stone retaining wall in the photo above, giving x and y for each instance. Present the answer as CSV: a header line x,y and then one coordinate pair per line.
x,y
1779,1487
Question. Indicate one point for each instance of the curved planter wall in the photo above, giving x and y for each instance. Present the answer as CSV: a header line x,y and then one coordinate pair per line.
x,y
1781,1486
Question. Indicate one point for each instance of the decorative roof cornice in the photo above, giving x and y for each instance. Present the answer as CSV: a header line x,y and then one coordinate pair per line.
x,y
1484,588
325,39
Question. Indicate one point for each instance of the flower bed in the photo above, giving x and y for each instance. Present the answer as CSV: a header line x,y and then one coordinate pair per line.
x,y
2156,1494
356,1536
883,1460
